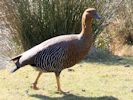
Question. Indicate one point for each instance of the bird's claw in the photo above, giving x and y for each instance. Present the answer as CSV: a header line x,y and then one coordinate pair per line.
x,y
34,87
62,92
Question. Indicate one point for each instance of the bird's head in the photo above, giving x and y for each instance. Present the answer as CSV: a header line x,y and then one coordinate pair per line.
x,y
87,17
90,13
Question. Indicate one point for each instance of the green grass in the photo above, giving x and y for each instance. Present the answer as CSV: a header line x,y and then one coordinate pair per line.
x,y
88,81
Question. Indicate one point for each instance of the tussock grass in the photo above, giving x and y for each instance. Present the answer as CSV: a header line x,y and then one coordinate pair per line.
x,y
88,81
38,20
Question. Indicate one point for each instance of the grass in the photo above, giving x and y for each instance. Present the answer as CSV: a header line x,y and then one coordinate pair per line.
x,y
33,21
87,81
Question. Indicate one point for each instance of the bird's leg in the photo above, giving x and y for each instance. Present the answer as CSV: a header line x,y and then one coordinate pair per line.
x,y
58,82
36,81
59,90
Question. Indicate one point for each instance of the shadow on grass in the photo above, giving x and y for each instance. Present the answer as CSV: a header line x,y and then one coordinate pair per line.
x,y
72,97
108,59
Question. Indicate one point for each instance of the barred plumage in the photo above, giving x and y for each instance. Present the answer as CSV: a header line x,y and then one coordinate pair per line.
x,y
60,52
50,58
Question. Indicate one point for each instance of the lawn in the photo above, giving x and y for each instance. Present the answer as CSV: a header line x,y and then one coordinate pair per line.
x,y
94,80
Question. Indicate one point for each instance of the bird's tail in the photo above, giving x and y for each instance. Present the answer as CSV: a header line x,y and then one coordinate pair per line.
x,y
17,64
15,68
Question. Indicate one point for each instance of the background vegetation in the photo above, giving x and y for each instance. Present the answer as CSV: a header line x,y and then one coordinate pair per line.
x,y
34,21
30,22
120,31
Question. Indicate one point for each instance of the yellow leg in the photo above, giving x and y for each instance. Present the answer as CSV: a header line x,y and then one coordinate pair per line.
x,y
36,81
58,83
59,90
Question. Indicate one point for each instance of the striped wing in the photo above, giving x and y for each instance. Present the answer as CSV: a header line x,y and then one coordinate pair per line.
x,y
51,59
